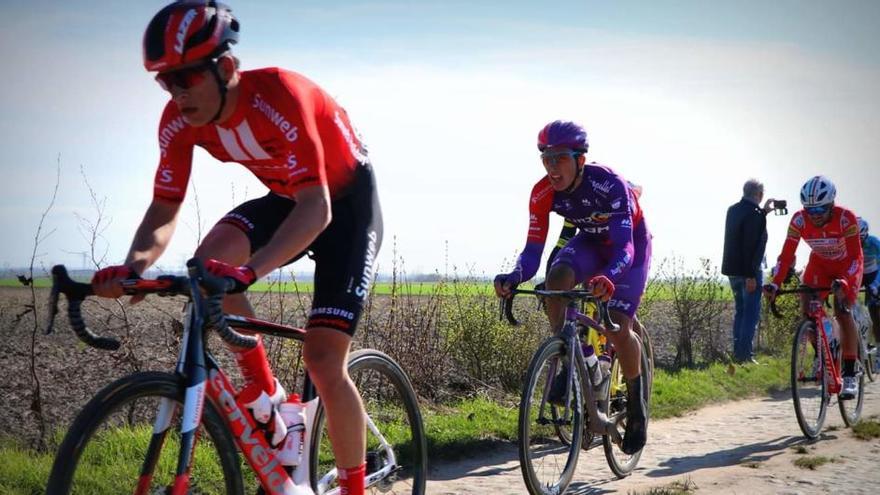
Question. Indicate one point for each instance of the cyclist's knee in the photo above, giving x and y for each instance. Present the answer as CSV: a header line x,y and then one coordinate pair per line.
x,y
225,243
237,304
560,277
324,355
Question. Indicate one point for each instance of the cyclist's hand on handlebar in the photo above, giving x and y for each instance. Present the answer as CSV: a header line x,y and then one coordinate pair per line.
x,y
840,285
874,290
601,287
106,281
243,276
505,283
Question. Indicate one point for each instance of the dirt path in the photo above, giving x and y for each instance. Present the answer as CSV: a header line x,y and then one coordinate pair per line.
x,y
745,447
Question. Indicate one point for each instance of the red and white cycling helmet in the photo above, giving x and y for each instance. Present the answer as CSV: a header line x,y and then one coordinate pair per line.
x,y
186,31
818,191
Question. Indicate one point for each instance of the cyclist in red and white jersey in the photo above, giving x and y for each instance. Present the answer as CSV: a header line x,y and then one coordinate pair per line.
x,y
322,201
832,232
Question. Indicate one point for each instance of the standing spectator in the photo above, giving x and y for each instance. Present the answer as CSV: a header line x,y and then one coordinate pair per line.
x,y
745,237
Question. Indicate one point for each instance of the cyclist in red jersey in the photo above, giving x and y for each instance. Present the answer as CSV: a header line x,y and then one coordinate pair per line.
x,y
322,201
832,232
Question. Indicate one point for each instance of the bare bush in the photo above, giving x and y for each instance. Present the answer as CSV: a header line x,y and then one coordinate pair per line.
x,y
697,303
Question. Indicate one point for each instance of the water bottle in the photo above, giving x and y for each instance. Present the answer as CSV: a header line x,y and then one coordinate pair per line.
x,y
293,414
592,363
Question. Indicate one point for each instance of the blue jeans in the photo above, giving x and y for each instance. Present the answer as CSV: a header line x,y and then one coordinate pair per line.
x,y
746,317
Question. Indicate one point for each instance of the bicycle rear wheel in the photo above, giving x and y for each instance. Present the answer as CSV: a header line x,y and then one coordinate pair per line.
x,y
622,464
851,410
870,363
547,461
808,376
396,447
106,448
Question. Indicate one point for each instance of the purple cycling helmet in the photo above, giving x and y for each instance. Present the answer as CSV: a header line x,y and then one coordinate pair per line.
x,y
564,134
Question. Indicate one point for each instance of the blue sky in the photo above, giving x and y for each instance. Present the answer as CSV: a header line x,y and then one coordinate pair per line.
x,y
688,99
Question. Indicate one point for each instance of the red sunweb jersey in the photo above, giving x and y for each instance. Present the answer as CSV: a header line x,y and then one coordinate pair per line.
x,y
285,129
835,244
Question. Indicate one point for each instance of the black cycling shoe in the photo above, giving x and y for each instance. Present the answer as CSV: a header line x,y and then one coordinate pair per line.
x,y
557,388
636,418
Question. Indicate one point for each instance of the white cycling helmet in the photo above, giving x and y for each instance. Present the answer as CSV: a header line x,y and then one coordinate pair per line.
x,y
818,191
863,227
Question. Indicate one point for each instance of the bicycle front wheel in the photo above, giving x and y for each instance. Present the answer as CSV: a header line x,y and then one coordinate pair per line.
x,y
117,443
397,459
547,460
808,376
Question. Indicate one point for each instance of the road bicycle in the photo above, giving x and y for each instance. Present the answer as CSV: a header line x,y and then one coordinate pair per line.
x,y
816,361
551,435
864,324
120,441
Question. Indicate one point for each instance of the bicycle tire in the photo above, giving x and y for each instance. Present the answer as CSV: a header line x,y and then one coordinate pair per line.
x,y
615,404
810,402
411,477
649,348
851,410
552,353
127,392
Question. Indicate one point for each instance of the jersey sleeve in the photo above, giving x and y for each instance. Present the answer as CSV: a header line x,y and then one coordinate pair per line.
x,y
540,204
304,104
620,230
849,225
786,258
175,156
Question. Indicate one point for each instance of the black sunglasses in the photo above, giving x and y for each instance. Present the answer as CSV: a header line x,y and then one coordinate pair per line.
x,y
184,78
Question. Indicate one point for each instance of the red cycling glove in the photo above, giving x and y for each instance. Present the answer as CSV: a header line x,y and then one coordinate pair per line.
x,y
602,287
243,276
113,272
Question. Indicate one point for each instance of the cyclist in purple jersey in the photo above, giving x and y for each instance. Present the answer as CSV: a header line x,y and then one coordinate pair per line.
x,y
611,251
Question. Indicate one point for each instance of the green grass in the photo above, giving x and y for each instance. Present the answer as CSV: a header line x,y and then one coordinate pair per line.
x,y
22,471
678,392
11,282
814,461
866,430
468,427
684,486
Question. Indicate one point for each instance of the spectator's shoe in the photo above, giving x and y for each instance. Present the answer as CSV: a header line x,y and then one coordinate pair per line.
x,y
636,418
850,388
557,388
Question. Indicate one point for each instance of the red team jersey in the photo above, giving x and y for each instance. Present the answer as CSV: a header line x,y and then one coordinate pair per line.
x,y
285,129
836,250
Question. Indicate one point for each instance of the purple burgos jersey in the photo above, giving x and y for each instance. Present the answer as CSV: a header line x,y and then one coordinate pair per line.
x,y
612,236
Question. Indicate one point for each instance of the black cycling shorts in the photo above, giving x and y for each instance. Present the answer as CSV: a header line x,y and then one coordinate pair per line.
x,y
344,253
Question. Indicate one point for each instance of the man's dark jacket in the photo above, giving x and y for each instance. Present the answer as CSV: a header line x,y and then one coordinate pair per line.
x,y
745,237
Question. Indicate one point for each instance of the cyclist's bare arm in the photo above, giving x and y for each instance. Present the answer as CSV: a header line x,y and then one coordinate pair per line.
x,y
309,217
150,241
